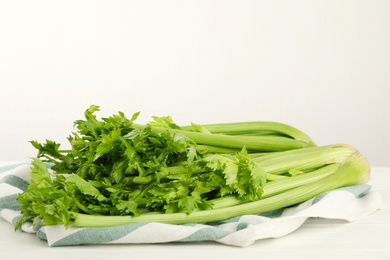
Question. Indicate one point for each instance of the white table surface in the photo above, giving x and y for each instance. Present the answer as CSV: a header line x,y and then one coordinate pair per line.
x,y
368,238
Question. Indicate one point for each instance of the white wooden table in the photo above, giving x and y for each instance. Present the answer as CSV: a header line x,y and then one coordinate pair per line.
x,y
368,238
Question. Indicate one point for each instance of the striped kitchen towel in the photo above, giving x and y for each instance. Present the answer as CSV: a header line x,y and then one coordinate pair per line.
x,y
350,204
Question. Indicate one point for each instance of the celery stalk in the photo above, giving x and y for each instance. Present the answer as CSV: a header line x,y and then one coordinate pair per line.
x,y
256,127
255,136
305,158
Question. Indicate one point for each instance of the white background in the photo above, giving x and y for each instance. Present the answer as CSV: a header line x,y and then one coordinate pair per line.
x,y
321,66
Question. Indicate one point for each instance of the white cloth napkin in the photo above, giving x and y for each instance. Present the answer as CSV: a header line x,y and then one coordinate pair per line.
x,y
350,204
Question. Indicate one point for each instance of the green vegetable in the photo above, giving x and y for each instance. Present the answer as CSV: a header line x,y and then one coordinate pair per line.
x,y
118,172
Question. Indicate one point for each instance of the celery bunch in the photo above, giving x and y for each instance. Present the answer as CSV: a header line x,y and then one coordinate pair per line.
x,y
120,172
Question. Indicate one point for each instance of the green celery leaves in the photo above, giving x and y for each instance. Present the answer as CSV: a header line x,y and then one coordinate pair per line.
x,y
117,167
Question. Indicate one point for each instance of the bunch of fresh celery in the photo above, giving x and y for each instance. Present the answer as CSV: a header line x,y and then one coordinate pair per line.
x,y
120,172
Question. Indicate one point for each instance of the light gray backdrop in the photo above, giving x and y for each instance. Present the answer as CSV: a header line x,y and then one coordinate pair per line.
x,y
321,66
